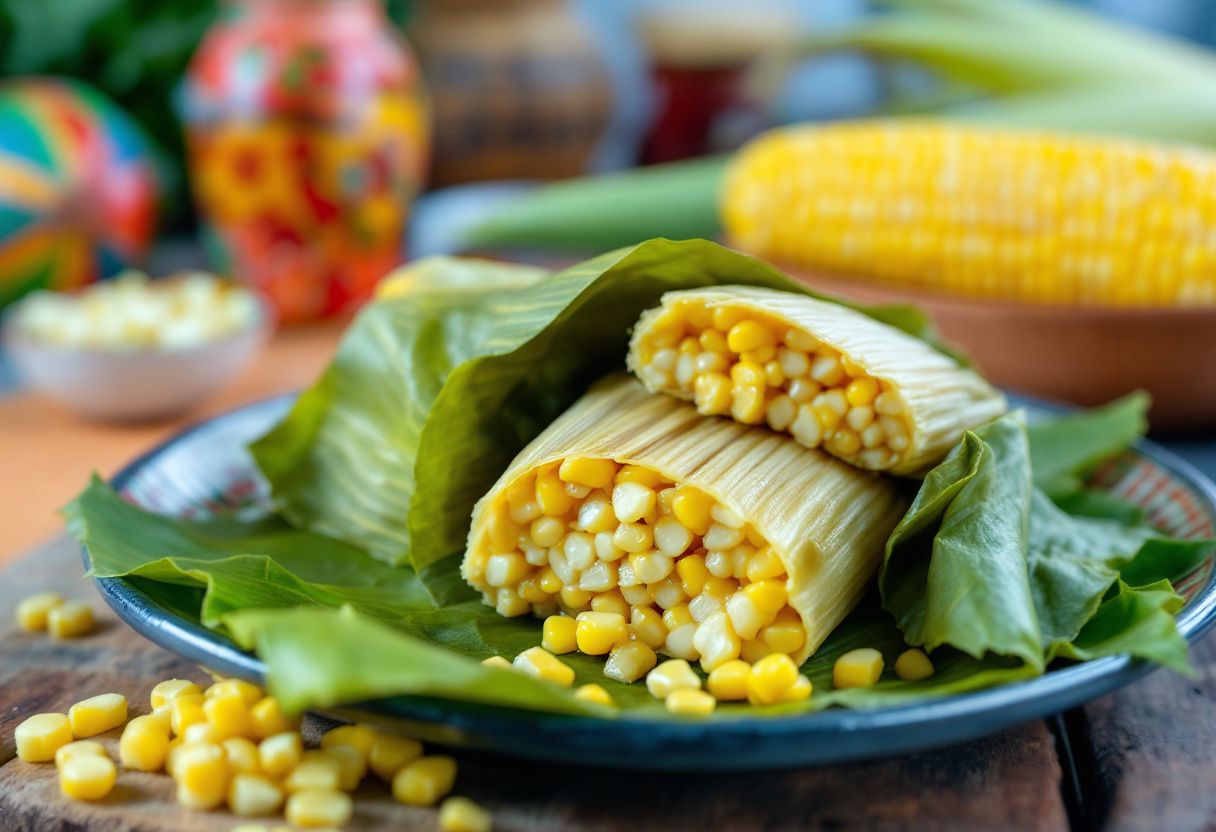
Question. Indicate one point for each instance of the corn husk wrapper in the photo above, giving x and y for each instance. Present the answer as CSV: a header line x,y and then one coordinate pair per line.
x,y
943,398
827,521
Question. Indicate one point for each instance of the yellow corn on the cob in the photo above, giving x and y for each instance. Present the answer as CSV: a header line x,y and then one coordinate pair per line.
x,y
982,211
711,531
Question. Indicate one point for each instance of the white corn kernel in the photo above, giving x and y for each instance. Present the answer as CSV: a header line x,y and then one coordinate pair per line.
x,y
806,428
651,567
704,605
781,412
671,675
631,501
794,363
721,537
671,537
716,641
600,577
668,592
579,549
679,642
726,516
630,661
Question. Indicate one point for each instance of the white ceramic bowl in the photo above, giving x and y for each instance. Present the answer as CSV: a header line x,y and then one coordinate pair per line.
x,y
133,385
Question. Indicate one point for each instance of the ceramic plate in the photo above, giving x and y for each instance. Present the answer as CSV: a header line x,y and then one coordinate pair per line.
x,y
206,470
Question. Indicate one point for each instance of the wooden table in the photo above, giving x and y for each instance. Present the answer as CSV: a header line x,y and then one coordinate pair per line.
x,y
1142,758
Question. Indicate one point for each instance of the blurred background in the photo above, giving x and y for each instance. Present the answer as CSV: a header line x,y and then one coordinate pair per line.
x,y
299,150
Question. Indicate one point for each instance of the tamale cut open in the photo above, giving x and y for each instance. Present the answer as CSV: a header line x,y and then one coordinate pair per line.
x,y
829,376
714,540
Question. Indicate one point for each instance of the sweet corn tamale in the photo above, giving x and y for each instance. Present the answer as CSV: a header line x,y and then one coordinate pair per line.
x,y
831,377
717,539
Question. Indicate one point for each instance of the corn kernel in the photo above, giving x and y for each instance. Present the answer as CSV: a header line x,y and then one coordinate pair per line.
x,y
692,508
78,748
252,795
588,471
41,735
266,718
425,781
594,693
677,616
536,661
497,661
673,674
630,661
505,569
598,632
551,495
69,619
352,765
201,732
228,715
754,650
689,702
557,634
319,807
280,753
858,668
611,601
725,317
861,391
631,501
184,711
646,626
358,736
716,641
33,610
764,565
248,691
165,692
728,681
144,744
87,777
97,714
459,814
315,771
784,636
201,772
747,405
390,753
712,341
242,755
633,537
913,665
712,394
770,679
801,689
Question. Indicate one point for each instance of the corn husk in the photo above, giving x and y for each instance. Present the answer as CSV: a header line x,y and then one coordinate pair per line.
x,y
827,521
943,398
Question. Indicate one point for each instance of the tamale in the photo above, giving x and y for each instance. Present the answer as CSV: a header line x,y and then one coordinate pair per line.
x,y
831,377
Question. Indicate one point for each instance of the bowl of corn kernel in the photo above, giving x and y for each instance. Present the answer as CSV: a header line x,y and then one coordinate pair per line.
x,y
135,349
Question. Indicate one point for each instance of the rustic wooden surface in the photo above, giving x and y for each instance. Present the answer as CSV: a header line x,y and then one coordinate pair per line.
x,y
1145,758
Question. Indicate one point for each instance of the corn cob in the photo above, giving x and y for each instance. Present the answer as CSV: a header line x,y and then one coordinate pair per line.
x,y
720,540
980,211
830,377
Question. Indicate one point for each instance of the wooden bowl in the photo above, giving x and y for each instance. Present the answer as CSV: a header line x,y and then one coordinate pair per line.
x,y
1086,356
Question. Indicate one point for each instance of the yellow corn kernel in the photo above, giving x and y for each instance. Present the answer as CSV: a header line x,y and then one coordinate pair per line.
x,y
319,807
459,814
771,678
97,714
69,619
728,681
712,341
913,665
594,693
144,744
693,574
712,394
228,715
861,391
844,442
689,702
252,795
315,771
725,317
858,668
165,692
87,777
611,601
425,781
504,534
746,336
33,610
357,736
768,596
573,597
551,495
639,474
747,374
352,765
801,689
40,736
536,661
784,636
201,732
588,471
692,508
280,753
764,565
266,718
175,746
186,710
598,632
496,661
78,748
673,674
557,634
389,753
630,661
248,691
242,755
748,405
202,775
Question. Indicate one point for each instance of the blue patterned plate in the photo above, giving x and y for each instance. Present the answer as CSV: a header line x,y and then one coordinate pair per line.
x,y
206,469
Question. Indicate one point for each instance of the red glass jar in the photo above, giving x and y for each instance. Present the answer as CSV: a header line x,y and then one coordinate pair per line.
x,y
307,136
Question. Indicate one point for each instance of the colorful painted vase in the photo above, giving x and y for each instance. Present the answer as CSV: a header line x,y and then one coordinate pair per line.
x,y
78,190
307,135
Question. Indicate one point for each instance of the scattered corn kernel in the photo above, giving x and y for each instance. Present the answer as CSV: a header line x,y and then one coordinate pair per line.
x,y
87,776
248,691
771,678
535,661
252,795
202,774
184,711
425,781
357,736
97,714
389,753
69,619
352,765
77,748
281,753
319,807
593,473
165,692
858,668
497,661
228,715
242,755
459,814
689,702
728,681
266,719
598,632
33,610
913,665
144,745
630,661
557,634
201,732
41,735
594,693
314,772
671,675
